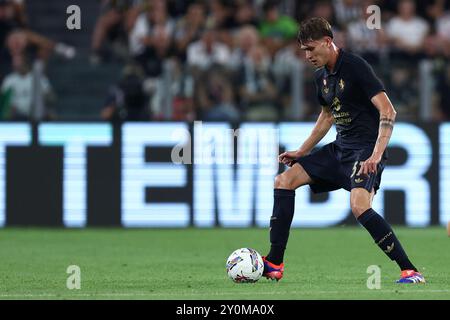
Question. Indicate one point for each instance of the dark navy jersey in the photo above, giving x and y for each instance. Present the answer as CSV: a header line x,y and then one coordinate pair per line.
x,y
347,91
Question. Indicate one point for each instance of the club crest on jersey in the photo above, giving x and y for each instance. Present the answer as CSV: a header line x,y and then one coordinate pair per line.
x,y
325,88
341,84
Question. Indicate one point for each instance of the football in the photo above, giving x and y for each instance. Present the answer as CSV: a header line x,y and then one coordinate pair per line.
x,y
245,265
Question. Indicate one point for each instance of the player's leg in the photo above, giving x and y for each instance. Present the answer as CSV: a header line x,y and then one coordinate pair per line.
x,y
292,178
381,232
283,212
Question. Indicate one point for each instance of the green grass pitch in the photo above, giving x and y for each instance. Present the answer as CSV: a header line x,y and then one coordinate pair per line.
x,y
190,264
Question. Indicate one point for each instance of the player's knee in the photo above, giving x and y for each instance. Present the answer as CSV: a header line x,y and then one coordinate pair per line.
x,y
279,181
282,181
359,208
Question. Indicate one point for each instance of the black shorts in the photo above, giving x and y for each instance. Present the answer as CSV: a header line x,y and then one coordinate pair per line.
x,y
333,167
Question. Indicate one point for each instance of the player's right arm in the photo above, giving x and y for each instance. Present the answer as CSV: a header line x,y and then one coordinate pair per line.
x,y
322,126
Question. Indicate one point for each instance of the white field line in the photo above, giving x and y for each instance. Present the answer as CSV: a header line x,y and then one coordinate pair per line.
x,y
187,294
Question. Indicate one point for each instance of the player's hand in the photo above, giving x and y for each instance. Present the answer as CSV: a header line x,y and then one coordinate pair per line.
x,y
370,165
288,157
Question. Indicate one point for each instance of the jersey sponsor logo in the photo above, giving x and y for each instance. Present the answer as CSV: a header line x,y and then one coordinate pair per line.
x,y
340,117
336,105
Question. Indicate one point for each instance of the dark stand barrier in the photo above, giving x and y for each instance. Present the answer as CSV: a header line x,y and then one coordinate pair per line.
x,y
34,186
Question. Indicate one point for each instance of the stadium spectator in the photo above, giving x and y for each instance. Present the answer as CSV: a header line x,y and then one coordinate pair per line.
x,y
18,10
221,15
178,8
325,10
189,29
346,11
407,32
214,97
183,109
257,87
221,18
207,51
12,16
304,9
198,35
246,39
116,19
388,9
442,26
15,37
18,92
403,87
151,38
276,29
127,101
7,24
369,43
443,90
288,68
19,40
245,14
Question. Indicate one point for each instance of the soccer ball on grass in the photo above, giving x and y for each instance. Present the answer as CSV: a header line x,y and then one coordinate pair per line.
x,y
245,265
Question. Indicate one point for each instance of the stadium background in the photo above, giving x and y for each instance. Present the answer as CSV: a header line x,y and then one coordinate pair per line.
x,y
83,90
90,117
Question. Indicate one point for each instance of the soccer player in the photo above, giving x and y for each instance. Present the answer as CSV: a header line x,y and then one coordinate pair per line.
x,y
355,100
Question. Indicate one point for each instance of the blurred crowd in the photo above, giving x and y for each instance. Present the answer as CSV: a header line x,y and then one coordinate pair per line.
x,y
21,50
231,60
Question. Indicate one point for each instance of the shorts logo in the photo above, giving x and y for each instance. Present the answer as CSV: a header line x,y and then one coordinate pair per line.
x,y
356,166
359,180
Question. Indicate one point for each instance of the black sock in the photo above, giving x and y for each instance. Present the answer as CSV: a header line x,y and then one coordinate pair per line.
x,y
280,223
385,238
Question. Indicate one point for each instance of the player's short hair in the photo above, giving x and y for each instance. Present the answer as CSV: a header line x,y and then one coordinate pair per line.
x,y
314,29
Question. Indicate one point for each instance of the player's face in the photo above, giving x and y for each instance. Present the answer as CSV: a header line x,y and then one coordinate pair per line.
x,y
317,52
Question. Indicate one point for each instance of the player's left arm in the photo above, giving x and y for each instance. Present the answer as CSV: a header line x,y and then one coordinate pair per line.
x,y
387,119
